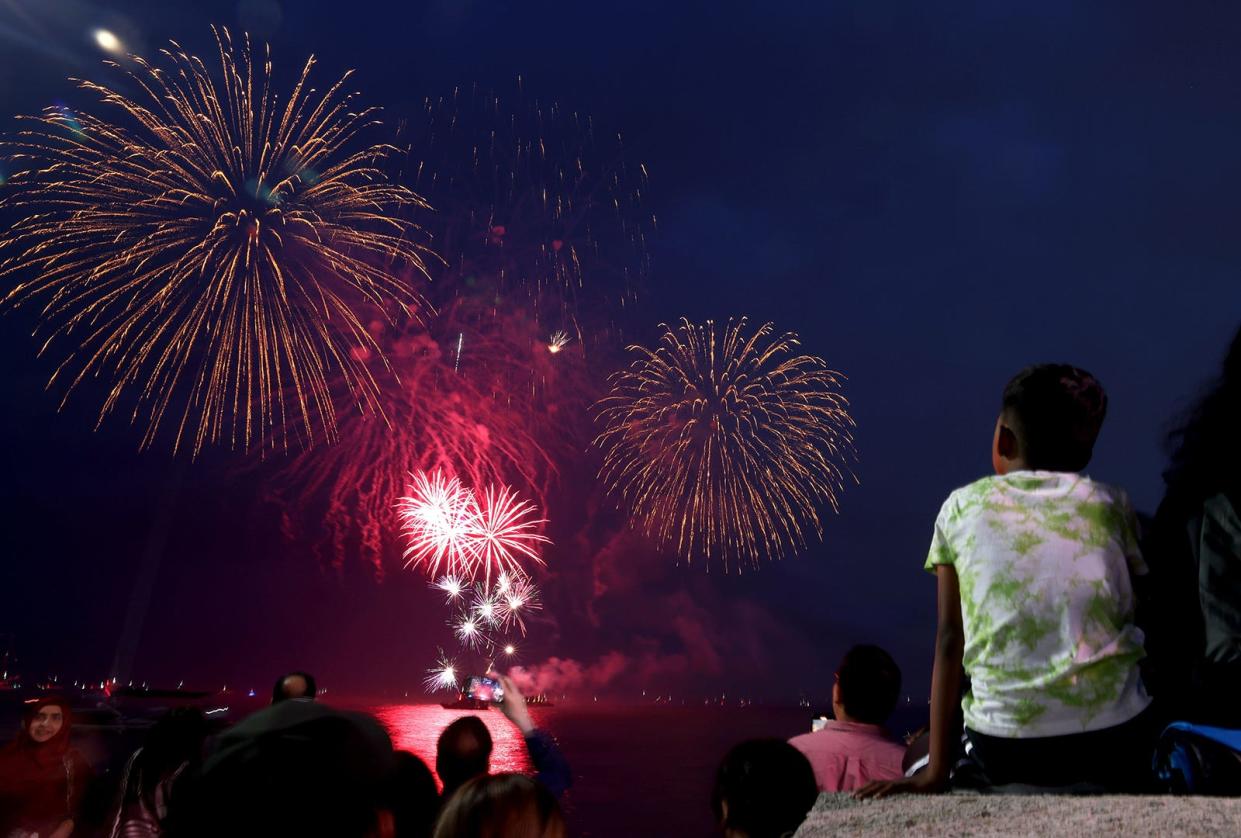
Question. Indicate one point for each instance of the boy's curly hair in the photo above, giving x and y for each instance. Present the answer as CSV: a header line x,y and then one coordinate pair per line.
x,y
1056,411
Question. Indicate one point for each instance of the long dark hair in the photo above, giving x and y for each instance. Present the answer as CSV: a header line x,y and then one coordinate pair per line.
x,y
175,742
1205,448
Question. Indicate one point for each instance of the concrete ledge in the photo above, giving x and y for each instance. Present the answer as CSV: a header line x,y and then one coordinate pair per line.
x,y
977,814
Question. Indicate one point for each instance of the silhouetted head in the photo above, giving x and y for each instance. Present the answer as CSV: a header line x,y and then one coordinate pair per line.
x,y
763,789
868,684
293,685
501,806
173,744
1049,420
1206,448
413,799
463,752
294,768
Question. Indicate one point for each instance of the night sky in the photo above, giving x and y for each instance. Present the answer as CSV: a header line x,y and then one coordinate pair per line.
x,y
932,195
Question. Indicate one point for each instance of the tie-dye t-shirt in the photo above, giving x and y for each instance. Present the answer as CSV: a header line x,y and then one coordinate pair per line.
x,y
1044,562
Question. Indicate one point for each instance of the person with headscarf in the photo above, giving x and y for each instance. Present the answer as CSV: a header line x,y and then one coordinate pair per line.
x,y
42,778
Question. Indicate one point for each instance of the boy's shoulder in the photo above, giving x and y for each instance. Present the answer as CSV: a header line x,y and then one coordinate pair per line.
x,y
998,492
970,495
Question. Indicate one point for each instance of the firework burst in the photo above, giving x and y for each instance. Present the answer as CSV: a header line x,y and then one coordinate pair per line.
x,y
503,531
485,606
447,525
472,632
437,515
451,586
205,246
480,423
557,341
726,443
519,599
443,676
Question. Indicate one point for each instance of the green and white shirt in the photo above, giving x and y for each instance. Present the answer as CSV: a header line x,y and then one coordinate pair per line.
x,y
1043,560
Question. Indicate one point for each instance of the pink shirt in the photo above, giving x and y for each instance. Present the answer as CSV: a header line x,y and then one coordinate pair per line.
x,y
848,755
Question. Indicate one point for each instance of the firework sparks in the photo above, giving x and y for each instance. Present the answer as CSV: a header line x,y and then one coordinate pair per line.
x,y
446,525
207,249
452,587
521,600
557,342
443,676
485,606
533,207
437,515
725,444
471,632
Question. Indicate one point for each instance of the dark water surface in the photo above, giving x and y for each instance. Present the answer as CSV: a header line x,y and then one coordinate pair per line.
x,y
636,770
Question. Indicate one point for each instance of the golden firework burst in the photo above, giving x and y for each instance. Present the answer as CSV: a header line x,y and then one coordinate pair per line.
x,y
725,444
205,246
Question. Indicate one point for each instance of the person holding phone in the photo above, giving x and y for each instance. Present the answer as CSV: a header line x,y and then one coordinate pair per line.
x,y
464,748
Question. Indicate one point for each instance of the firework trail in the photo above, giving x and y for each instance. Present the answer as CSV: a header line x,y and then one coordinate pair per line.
x,y
535,210
725,443
206,245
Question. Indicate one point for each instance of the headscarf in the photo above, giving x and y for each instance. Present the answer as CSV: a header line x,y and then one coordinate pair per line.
x,y
53,750
35,777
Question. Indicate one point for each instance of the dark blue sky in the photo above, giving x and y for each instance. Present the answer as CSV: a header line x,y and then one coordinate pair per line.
x,y
933,195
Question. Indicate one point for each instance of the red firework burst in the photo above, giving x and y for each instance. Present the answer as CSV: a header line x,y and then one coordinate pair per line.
x,y
436,521
447,526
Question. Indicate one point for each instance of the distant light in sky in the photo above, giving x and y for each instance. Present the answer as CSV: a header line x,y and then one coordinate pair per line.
x,y
107,40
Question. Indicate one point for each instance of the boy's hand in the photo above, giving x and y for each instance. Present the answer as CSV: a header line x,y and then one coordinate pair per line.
x,y
920,783
514,704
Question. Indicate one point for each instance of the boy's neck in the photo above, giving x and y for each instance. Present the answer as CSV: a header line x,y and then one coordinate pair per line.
x,y
1015,464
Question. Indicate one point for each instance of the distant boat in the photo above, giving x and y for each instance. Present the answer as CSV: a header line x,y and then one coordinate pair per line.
x,y
465,703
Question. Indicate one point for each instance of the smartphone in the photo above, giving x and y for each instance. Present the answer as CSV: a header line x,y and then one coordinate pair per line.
x,y
481,688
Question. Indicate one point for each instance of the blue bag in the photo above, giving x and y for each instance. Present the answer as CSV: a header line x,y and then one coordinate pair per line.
x,y
1198,759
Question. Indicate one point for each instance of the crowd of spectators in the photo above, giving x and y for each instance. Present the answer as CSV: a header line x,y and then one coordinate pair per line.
x,y
1061,652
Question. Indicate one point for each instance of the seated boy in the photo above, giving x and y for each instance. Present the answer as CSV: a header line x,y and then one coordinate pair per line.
x,y
853,749
1036,604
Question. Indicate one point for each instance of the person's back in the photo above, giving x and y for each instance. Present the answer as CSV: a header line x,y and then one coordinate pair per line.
x,y
853,748
1036,604
1043,560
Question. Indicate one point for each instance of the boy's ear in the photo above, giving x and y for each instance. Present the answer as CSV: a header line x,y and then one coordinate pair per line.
x,y
1006,442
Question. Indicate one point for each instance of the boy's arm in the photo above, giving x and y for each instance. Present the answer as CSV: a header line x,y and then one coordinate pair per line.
x,y
945,693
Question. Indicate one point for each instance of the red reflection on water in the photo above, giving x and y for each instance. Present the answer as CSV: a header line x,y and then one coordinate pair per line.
x,y
417,727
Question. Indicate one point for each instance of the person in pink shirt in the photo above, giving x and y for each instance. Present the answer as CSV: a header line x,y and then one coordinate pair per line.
x,y
854,748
